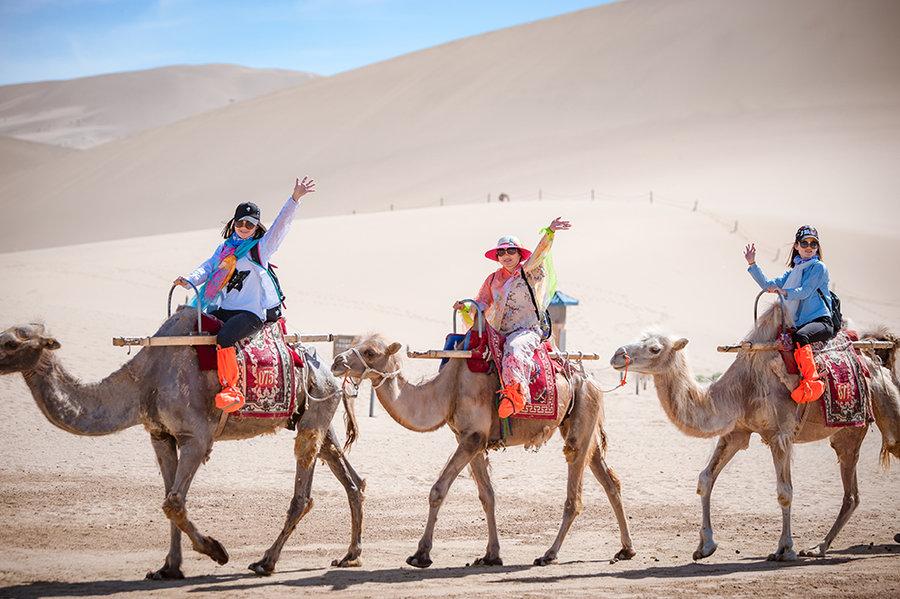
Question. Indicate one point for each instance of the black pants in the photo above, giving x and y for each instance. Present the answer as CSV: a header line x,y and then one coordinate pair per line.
x,y
819,329
241,323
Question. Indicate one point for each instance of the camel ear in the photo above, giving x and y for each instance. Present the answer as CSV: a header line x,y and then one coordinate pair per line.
x,y
393,348
679,345
50,343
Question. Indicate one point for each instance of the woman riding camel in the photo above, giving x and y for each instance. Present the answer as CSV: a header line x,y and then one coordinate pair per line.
x,y
514,299
238,286
804,288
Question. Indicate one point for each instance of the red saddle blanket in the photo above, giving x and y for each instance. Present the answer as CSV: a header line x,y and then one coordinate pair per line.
x,y
846,398
265,370
544,394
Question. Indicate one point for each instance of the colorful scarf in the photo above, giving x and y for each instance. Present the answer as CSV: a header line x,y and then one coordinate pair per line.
x,y
233,249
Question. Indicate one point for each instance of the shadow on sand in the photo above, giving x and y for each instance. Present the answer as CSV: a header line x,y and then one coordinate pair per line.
x,y
341,579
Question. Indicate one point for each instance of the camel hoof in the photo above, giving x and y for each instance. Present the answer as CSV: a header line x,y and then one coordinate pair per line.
x,y
624,553
488,561
346,562
817,551
216,551
418,561
545,560
165,573
260,569
787,555
705,551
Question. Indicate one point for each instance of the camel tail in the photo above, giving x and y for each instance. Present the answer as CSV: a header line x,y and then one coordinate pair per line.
x,y
350,423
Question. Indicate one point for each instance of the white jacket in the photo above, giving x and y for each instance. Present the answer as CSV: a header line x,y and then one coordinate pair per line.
x,y
251,288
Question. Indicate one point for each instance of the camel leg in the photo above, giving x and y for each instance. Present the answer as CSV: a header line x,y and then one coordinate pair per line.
x,y
167,458
726,449
479,468
193,450
306,448
781,447
577,459
469,445
355,487
610,483
846,444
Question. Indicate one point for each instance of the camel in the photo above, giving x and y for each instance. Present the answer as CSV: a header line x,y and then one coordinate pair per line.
x,y
162,389
464,401
753,396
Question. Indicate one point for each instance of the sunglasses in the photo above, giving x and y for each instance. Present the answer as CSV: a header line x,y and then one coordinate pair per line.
x,y
510,251
243,224
809,244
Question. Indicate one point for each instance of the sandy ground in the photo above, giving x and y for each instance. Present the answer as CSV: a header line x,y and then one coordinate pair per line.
x,y
82,515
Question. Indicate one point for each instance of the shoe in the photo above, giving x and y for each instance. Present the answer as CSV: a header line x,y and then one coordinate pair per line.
x,y
229,399
810,387
511,400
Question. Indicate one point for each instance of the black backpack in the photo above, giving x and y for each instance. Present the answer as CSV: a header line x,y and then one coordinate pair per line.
x,y
834,306
254,255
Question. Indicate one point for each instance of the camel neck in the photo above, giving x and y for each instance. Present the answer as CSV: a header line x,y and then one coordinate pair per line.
x,y
101,408
419,407
696,411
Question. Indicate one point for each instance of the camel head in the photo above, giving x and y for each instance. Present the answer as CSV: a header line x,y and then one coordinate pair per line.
x,y
371,358
653,353
21,347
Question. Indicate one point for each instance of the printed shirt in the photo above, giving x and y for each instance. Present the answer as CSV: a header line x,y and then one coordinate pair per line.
x,y
251,288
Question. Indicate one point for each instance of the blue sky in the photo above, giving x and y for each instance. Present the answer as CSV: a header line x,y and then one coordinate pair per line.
x,y
62,39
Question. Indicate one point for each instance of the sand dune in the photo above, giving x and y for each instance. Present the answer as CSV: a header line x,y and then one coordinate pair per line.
x,y
18,156
750,107
85,112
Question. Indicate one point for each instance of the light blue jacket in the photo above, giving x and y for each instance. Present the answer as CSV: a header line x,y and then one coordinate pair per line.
x,y
814,278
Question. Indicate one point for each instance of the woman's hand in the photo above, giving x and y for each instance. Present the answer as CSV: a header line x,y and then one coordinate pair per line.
x,y
301,188
181,282
559,224
750,253
778,290
458,306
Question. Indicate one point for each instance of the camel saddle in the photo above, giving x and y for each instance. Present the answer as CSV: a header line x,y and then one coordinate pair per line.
x,y
845,402
266,374
487,354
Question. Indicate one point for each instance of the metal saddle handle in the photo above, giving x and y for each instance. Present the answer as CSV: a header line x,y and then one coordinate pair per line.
x,y
756,308
199,311
479,321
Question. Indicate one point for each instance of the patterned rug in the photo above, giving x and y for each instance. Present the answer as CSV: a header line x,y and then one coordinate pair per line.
x,y
265,370
544,398
846,398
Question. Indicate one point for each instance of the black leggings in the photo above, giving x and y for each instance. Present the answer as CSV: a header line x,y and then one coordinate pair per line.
x,y
819,329
238,324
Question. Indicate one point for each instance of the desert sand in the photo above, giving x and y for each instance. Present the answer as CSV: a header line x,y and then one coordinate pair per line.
x,y
745,120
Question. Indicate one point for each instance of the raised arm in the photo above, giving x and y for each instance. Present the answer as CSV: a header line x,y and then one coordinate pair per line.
x,y
546,242
756,272
271,241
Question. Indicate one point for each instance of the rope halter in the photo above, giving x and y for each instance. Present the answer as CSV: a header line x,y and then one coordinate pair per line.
x,y
385,376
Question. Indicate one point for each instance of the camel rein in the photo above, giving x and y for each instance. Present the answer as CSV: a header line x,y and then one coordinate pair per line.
x,y
385,376
624,379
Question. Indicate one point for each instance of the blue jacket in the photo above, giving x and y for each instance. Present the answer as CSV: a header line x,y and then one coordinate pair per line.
x,y
814,278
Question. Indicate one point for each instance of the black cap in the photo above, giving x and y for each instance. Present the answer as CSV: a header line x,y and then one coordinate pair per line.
x,y
806,231
248,211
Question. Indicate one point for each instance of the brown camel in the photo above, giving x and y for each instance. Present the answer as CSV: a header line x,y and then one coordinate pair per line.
x,y
162,389
753,396
464,401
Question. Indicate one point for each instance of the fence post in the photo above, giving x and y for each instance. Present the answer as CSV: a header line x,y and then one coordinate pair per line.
x,y
696,203
489,199
540,194
442,202
777,255
371,402
734,230
592,195
392,207
651,197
